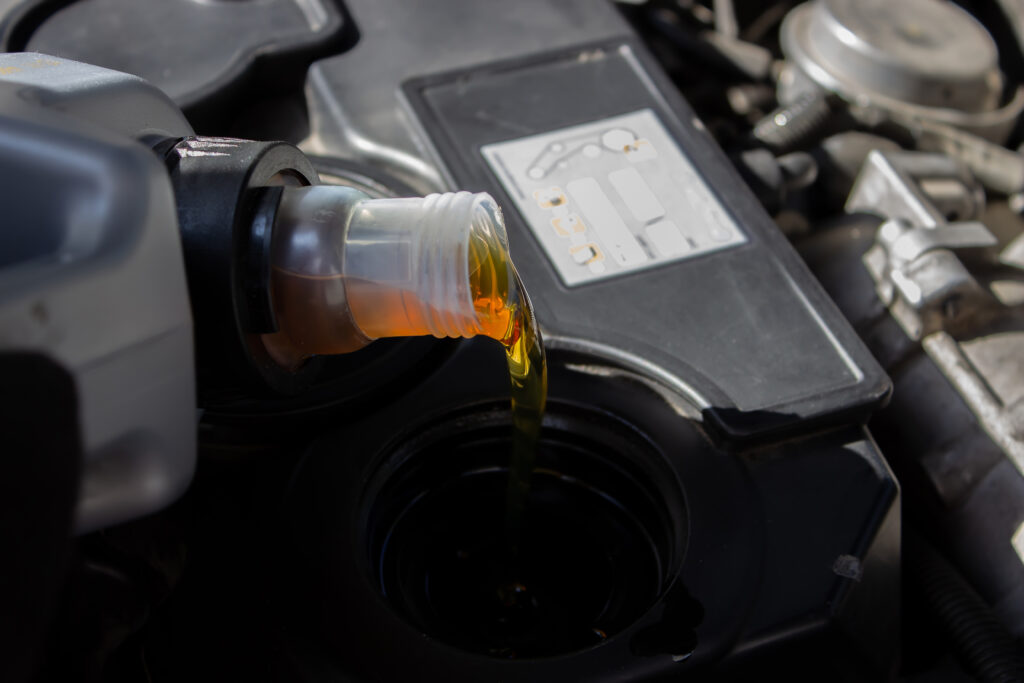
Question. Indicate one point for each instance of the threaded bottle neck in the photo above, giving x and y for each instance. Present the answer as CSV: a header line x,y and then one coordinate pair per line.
x,y
420,249
443,264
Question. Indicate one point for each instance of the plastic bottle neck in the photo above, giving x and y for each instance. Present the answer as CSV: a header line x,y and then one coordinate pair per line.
x,y
348,269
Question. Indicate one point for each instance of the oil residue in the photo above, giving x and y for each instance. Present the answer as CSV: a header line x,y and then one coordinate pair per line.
x,y
504,309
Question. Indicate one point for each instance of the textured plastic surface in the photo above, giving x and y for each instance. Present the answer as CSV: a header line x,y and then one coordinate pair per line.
x,y
355,105
181,46
794,544
747,330
118,102
92,276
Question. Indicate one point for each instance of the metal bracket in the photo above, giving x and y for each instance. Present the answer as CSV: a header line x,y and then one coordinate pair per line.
x,y
928,202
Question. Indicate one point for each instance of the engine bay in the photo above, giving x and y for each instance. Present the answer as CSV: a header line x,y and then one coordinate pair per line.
x,y
775,249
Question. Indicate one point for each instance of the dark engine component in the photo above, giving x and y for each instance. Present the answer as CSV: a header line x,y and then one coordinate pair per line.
x,y
799,555
905,117
180,46
708,501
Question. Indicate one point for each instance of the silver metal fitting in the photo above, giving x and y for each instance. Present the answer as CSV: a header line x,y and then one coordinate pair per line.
x,y
928,203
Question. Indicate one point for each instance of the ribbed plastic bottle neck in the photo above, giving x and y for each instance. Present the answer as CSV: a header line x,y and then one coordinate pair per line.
x,y
420,247
443,263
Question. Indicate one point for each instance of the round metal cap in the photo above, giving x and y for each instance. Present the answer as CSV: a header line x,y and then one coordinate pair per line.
x,y
927,53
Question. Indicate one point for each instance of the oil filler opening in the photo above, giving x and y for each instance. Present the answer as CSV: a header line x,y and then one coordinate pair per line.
x,y
603,536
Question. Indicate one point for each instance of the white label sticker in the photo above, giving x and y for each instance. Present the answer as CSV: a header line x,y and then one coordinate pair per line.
x,y
605,221
611,197
636,194
666,238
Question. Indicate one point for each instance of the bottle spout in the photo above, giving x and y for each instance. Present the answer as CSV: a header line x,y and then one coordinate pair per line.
x,y
408,263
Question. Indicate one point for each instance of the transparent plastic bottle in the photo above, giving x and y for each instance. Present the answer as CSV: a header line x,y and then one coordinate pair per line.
x,y
347,269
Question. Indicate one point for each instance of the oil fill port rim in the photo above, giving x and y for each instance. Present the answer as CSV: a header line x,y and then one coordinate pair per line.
x,y
586,454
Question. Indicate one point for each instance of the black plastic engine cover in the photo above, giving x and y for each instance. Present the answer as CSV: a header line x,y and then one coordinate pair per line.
x,y
744,328
787,561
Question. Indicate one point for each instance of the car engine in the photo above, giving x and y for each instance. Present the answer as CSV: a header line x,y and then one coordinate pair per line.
x,y
775,250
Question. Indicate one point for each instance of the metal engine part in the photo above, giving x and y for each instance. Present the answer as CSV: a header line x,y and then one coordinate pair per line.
x,y
911,111
914,60
916,273
919,263
924,66
937,296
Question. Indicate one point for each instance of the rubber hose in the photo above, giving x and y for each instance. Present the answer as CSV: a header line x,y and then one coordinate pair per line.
x,y
983,645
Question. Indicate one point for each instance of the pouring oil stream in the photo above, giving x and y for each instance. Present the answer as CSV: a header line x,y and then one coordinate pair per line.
x,y
500,299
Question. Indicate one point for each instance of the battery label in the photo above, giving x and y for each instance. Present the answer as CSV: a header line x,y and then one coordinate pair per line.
x,y
611,197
